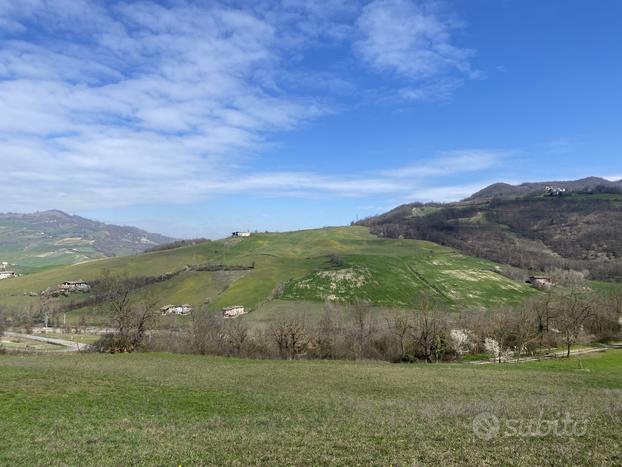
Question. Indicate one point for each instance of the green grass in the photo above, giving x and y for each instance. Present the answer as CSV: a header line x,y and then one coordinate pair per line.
x,y
396,273
162,409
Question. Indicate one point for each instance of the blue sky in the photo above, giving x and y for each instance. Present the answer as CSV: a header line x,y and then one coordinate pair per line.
x,y
199,118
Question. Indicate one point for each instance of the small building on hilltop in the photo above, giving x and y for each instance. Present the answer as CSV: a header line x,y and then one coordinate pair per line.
x,y
75,286
7,274
241,234
555,190
179,310
233,311
540,282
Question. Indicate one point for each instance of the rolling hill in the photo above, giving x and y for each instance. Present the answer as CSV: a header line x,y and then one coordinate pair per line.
x,y
52,238
271,272
523,225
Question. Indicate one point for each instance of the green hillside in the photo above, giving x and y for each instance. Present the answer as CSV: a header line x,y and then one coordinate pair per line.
x,y
41,240
274,269
523,226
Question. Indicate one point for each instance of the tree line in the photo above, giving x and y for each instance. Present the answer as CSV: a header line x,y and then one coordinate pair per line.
x,y
556,319
426,333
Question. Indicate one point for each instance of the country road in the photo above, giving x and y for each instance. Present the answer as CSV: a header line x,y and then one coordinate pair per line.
x,y
70,346
558,354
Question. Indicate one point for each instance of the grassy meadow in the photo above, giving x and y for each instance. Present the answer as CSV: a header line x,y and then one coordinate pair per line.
x,y
384,272
165,409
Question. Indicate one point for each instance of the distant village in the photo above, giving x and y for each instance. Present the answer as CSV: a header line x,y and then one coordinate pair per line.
x,y
554,191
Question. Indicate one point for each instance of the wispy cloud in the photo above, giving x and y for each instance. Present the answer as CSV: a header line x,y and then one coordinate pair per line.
x,y
413,40
108,104
449,163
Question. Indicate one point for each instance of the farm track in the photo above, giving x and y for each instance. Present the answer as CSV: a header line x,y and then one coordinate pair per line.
x,y
70,346
427,283
560,354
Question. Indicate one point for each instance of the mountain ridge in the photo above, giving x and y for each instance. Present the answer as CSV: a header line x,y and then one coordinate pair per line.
x,y
54,237
530,188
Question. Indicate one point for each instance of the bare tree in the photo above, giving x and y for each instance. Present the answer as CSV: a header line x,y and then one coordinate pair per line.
x,y
606,320
574,309
291,338
543,313
428,330
327,335
363,329
400,327
207,333
500,329
524,328
237,334
130,317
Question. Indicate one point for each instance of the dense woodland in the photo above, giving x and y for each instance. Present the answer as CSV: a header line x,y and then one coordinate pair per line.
x,y
580,232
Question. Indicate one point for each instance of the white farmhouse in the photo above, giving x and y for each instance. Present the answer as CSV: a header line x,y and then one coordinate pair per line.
x,y
241,234
233,311
180,310
75,286
7,274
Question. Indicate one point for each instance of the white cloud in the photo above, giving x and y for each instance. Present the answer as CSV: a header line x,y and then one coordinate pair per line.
x,y
116,104
410,39
452,162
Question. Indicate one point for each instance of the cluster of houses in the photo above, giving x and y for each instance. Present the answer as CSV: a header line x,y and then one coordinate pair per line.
x,y
241,234
66,288
75,286
554,190
183,310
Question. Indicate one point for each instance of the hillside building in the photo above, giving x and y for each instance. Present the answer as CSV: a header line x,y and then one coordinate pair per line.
x,y
179,310
554,190
75,286
540,282
233,311
241,234
7,274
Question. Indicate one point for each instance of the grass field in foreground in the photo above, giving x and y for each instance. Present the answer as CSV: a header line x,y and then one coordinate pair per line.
x,y
163,409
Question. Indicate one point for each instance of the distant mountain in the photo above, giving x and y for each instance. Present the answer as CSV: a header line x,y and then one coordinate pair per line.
x,y
505,190
574,225
52,238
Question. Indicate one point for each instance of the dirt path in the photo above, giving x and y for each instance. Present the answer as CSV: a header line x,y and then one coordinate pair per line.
x,y
559,354
70,346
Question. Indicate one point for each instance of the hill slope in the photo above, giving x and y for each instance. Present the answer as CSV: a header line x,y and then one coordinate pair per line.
x,y
268,270
589,184
522,226
55,238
